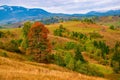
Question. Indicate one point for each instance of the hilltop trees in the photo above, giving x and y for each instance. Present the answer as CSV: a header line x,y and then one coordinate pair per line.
x,y
38,43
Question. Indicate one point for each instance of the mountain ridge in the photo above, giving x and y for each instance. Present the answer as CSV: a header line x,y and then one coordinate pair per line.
x,y
11,14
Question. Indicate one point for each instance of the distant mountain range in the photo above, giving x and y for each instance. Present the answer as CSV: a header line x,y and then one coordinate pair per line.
x,y
11,14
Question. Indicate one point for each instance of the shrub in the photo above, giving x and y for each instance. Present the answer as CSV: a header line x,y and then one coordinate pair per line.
x,y
112,27
88,69
116,58
3,54
95,35
1,45
104,48
58,59
59,31
71,64
1,34
70,45
13,45
78,55
89,21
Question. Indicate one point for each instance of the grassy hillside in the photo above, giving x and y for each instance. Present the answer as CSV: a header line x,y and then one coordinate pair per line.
x,y
16,65
110,36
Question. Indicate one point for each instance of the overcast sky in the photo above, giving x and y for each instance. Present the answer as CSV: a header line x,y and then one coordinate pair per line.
x,y
66,6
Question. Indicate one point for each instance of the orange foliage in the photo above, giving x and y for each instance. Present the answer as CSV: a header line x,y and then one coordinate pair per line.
x,y
38,41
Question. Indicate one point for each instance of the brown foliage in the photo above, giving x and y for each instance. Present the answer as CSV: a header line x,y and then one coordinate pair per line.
x,y
38,42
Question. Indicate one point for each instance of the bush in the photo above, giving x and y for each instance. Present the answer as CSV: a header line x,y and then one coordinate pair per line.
x,y
95,35
58,59
116,58
13,45
103,47
112,27
60,31
1,34
70,45
71,64
3,54
78,55
89,21
86,68
78,35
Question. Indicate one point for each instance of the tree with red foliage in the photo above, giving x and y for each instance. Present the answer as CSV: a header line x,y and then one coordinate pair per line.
x,y
38,42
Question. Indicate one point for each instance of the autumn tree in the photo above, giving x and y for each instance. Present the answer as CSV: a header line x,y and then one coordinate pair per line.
x,y
38,43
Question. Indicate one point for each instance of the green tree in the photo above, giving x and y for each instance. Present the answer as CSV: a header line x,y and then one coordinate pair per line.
x,y
25,30
78,55
116,58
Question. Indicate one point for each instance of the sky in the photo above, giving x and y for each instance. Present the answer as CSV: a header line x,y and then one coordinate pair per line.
x,y
66,6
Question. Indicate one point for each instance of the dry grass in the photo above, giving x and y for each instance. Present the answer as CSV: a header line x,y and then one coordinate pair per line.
x,y
15,70
75,26
110,36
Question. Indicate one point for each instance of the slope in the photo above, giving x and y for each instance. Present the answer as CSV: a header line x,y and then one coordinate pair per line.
x,y
13,69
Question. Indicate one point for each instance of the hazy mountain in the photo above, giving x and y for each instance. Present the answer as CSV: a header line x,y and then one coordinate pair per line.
x,y
10,14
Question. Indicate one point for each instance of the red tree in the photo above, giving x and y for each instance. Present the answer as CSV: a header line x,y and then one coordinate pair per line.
x,y
38,42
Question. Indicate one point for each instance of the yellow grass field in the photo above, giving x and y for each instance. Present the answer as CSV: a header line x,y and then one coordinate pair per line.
x,y
15,70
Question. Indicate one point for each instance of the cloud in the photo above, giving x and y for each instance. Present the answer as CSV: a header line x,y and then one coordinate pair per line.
x,y
66,6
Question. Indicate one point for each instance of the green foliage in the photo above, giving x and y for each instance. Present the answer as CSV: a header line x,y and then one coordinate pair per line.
x,y
12,45
104,48
116,58
58,59
60,31
1,45
112,27
25,30
70,45
95,35
67,57
89,21
1,27
52,20
78,55
87,69
71,64
3,54
78,35
1,34
74,19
